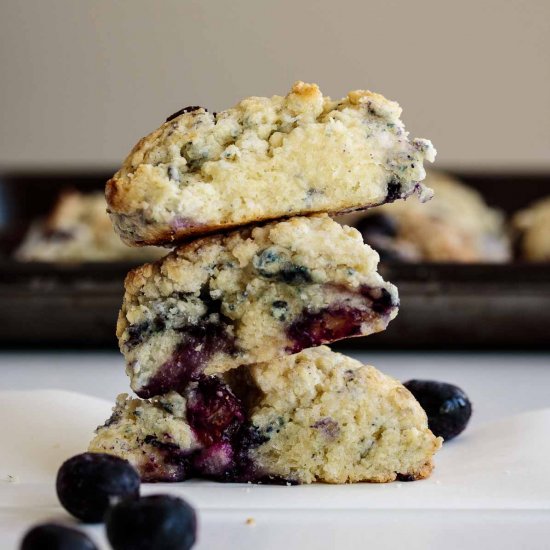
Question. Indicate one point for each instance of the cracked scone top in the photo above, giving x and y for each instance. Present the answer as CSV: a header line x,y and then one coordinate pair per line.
x,y
313,416
247,297
263,159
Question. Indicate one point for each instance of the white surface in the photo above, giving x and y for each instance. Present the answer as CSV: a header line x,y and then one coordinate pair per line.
x,y
490,487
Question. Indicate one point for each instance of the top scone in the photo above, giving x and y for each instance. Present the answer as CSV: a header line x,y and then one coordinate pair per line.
x,y
264,159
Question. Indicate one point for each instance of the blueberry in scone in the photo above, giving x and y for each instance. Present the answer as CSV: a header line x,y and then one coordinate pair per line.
x,y
313,416
455,226
79,230
247,297
263,159
532,227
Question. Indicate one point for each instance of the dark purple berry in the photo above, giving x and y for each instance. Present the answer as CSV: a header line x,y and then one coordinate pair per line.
x,y
158,522
198,344
51,536
382,301
174,466
405,477
447,406
394,191
327,325
295,274
213,411
87,484
182,111
141,331
270,263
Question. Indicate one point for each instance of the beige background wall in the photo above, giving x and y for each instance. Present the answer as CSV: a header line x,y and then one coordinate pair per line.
x,y
81,81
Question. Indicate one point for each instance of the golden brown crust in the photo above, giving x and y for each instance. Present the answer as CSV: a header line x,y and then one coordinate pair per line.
x,y
264,159
113,195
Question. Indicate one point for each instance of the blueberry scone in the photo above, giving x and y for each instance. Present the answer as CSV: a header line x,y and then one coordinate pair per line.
x,y
248,297
79,229
455,226
313,416
532,226
263,159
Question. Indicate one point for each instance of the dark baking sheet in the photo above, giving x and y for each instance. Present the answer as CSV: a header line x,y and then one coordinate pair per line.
x,y
442,306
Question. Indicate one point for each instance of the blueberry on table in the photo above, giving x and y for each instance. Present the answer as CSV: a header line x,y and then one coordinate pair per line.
x,y
51,536
87,484
447,406
158,522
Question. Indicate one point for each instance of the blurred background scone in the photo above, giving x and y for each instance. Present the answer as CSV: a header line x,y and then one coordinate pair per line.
x,y
532,227
456,225
79,230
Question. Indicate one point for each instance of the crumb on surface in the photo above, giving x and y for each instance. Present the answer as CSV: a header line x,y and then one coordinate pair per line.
x,y
10,478
250,521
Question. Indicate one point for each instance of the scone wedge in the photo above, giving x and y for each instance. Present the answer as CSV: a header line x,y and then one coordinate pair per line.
x,y
263,159
317,416
249,297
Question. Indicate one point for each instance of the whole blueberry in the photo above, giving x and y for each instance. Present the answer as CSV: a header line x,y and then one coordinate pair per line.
x,y
447,406
87,484
157,522
51,536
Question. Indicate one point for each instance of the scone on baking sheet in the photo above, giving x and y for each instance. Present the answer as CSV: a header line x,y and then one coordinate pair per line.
x,y
314,416
455,226
249,296
263,159
532,226
79,229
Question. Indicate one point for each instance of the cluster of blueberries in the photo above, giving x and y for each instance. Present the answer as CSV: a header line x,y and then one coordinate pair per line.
x,y
96,487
